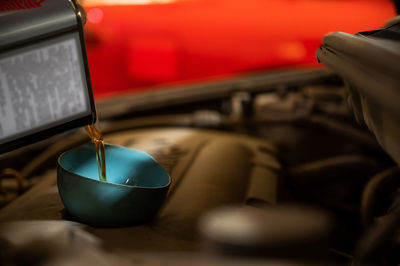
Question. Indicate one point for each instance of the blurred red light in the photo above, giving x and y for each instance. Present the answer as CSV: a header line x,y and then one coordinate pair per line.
x,y
95,15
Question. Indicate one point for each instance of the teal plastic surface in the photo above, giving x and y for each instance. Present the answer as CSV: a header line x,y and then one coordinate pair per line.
x,y
135,189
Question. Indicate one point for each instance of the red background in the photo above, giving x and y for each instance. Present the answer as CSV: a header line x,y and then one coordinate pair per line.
x,y
134,47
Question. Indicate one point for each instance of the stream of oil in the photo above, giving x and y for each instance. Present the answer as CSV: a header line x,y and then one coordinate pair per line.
x,y
98,142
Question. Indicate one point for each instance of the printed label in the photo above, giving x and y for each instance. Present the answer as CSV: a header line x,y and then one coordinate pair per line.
x,y
40,87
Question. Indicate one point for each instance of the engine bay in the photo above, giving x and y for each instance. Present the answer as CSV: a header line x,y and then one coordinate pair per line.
x,y
277,155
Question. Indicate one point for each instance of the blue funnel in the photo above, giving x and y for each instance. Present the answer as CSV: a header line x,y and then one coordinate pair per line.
x,y
135,189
